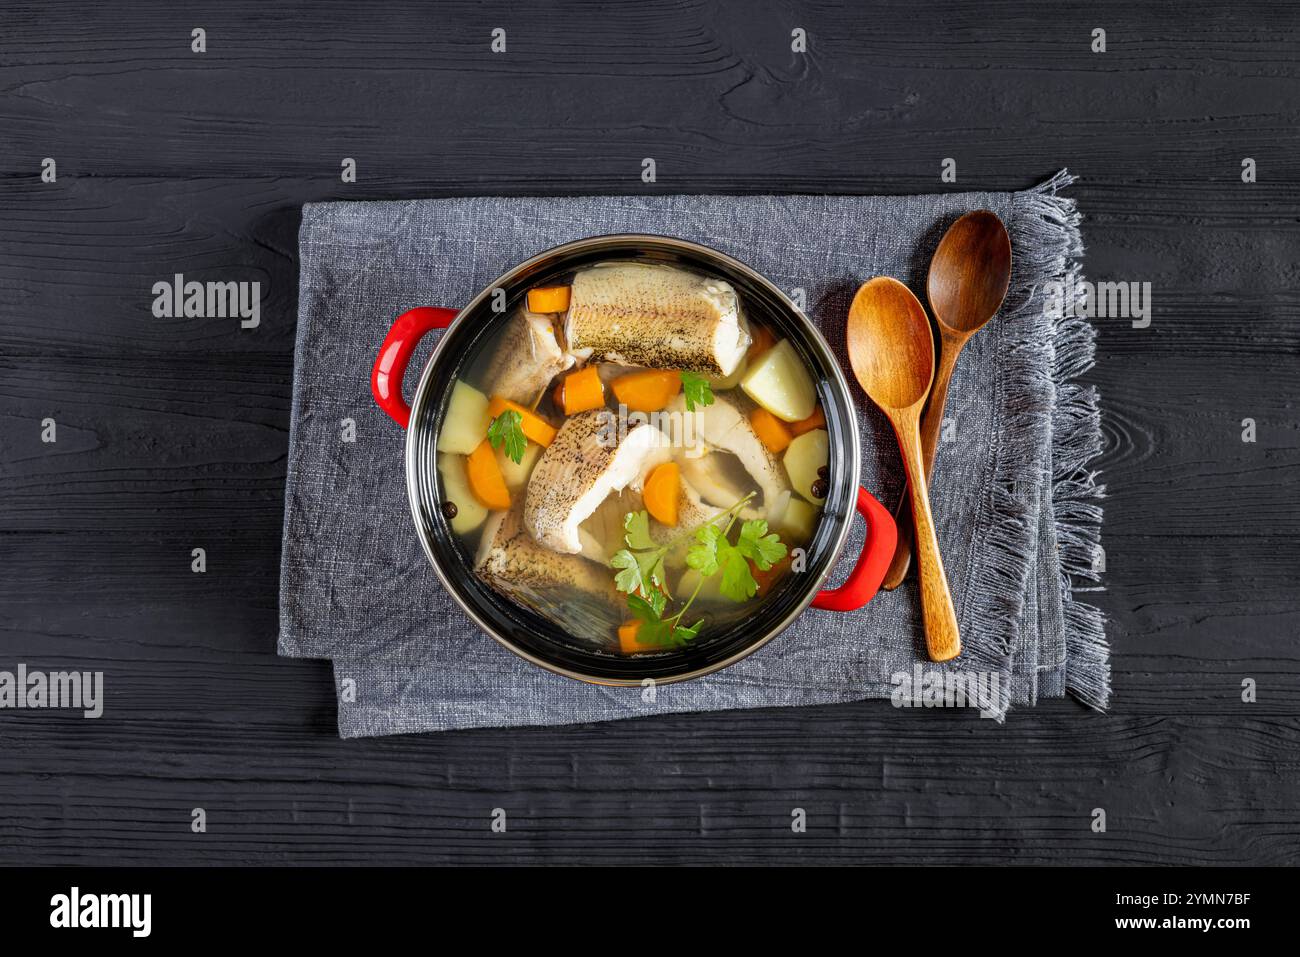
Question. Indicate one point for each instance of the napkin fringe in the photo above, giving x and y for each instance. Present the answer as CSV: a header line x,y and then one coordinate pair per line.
x,y
1042,398
1076,441
1044,234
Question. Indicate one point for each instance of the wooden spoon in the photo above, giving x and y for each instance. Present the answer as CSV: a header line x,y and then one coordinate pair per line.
x,y
969,276
891,350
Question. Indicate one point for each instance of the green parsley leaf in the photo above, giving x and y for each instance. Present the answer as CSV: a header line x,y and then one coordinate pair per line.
x,y
655,633
652,567
637,528
755,543
737,581
647,611
696,390
703,555
682,634
654,629
642,577
508,427
629,579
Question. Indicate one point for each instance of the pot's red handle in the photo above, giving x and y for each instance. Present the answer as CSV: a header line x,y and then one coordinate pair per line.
x,y
394,355
877,552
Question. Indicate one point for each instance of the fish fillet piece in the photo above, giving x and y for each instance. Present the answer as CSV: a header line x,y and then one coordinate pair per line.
x,y
527,358
585,462
602,532
707,474
577,595
658,316
724,426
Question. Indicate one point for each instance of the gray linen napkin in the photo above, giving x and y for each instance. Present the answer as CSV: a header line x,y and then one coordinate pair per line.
x,y
1015,504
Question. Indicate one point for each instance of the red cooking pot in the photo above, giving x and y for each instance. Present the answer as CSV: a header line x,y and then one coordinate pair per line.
x,y
536,638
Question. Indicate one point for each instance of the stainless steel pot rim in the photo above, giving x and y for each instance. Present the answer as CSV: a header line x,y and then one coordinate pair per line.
x,y
630,242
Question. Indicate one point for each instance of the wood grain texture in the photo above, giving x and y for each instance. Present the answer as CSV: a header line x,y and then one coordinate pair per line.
x,y
173,434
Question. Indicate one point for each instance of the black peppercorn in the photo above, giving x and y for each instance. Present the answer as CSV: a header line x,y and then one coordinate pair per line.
x,y
449,510
819,488
824,472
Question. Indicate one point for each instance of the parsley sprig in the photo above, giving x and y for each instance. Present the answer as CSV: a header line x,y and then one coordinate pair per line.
x,y
657,630
508,427
641,569
696,390
713,553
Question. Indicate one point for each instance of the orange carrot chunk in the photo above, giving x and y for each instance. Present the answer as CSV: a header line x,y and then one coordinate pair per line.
x,y
774,433
762,341
485,478
583,391
662,490
647,391
627,637
533,425
548,299
815,421
766,579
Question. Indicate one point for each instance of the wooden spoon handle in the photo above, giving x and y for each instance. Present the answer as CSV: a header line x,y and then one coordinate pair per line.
x,y
931,426
942,640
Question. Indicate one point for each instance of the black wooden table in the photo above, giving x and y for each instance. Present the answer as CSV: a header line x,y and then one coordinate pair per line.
x,y
171,435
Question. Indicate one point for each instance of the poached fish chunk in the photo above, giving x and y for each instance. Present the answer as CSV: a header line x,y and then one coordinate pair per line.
x,y
578,595
509,559
724,426
527,359
585,462
658,316
707,474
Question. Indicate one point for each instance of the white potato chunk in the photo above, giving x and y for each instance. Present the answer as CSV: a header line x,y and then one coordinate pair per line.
x,y
516,473
470,513
805,455
779,381
466,422
798,522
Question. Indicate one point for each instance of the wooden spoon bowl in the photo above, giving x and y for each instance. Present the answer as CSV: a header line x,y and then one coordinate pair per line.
x,y
891,350
969,277
890,345
970,272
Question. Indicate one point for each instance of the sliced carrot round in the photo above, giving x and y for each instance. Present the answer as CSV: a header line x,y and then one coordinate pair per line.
x,y
647,391
583,391
662,490
548,299
485,478
761,340
774,433
532,424
815,421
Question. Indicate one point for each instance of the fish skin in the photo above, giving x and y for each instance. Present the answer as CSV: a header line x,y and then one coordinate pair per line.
x,y
508,558
574,594
585,462
527,358
657,316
